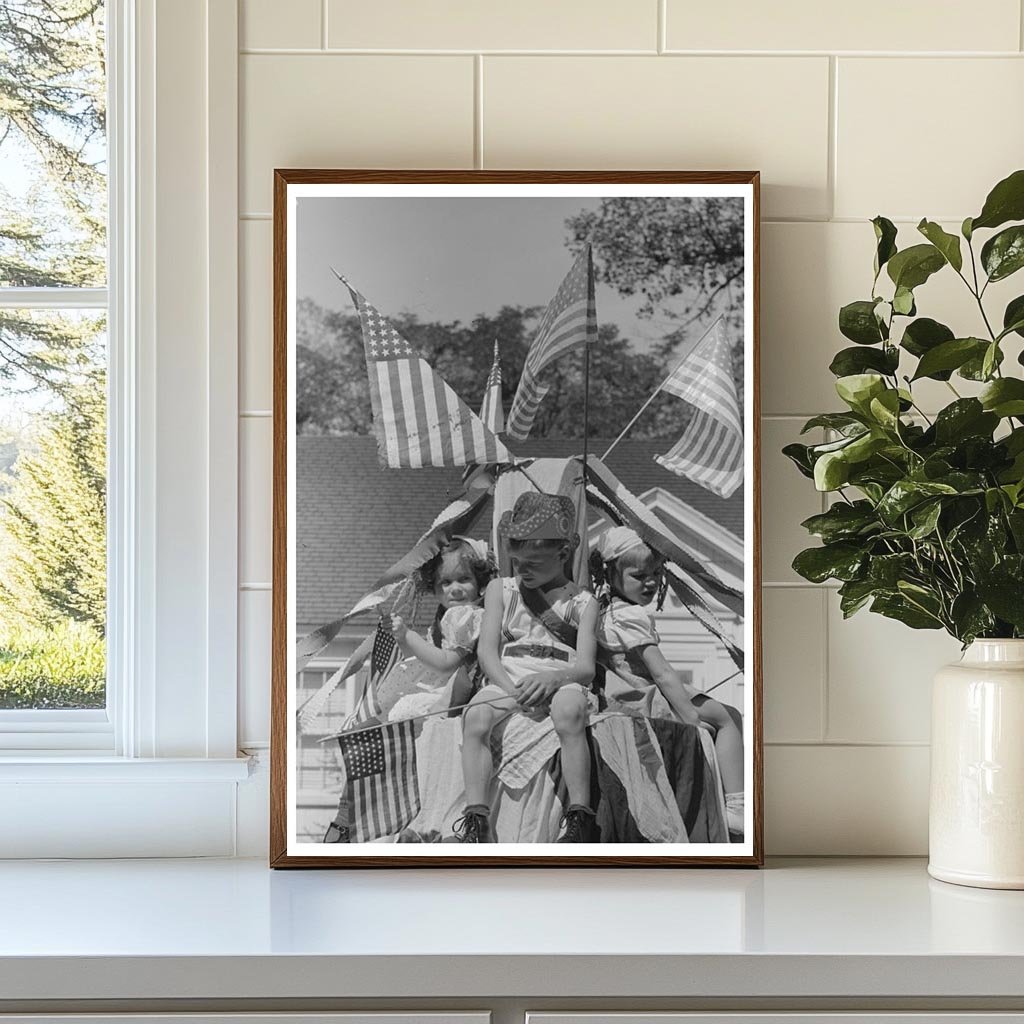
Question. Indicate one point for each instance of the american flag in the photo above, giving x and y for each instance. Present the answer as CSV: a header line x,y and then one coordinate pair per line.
x,y
383,656
418,419
569,321
491,412
381,778
710,452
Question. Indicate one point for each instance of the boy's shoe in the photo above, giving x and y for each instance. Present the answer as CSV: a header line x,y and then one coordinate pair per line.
x,y
337,833
580,825
472,827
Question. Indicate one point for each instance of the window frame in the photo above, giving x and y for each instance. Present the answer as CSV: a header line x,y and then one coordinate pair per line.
x,y
173,469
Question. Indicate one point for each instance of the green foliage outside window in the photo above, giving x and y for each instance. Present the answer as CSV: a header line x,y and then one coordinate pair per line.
x,y
52,365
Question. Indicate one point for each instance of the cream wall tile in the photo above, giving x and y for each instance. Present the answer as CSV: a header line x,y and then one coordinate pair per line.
x,y
808,271
470,25
846,801
869,25
962,130
255,325
794,663
255,510
266,24
692,113
254,666
787,498
880,676
359,111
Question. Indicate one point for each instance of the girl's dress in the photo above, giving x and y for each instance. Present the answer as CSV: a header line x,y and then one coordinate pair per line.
x,y
623,631
412,688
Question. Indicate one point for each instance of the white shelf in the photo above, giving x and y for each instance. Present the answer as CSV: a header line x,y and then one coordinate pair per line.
x,y
232,929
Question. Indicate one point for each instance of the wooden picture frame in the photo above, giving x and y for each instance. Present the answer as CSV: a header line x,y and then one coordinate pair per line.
x,y
293,187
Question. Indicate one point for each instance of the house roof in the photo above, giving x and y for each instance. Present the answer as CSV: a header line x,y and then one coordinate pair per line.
x,y
354,518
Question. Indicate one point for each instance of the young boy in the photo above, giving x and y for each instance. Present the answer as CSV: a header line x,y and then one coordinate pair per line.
x,y
537,649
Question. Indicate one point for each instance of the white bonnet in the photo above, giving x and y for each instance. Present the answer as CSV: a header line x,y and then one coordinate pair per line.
x,y
615,542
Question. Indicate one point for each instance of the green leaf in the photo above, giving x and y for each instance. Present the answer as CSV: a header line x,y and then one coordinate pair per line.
x,y
1006,599
1005,202
799,455
887,570
906,494
965,229
990,360
857,321
885,409
971,617
858,389
1003,254
947,244
903,302
850,361
841,421
831,471
885,237
1004,397
925,518
922,336
854,595
974,368
1013,316
966,417
840,561
912,267
949,355
842,521
900,609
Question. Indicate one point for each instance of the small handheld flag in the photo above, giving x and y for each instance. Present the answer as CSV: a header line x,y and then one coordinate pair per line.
x,y
382,781
710,452
569,322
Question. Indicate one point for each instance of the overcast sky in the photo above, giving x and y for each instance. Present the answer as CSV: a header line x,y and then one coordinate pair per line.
x,y
448,259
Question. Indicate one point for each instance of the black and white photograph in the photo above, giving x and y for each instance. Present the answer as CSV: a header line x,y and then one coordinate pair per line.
x,y
515,487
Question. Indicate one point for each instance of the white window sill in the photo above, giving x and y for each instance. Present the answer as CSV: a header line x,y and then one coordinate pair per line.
x,y
81,767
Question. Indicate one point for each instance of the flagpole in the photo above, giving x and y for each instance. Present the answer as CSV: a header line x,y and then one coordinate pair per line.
x,y
586,409
657,390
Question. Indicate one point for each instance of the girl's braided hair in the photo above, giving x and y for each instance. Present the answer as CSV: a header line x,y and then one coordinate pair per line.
x,y
601,579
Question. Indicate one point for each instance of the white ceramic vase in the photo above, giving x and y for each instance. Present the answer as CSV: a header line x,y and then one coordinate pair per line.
x,y
976,815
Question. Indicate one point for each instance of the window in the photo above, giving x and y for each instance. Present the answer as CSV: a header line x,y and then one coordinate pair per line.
x,y
53,368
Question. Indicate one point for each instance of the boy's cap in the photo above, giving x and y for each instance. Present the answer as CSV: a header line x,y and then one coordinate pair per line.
x,y
538,516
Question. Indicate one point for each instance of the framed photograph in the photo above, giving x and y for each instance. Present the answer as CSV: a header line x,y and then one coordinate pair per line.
x,y
516,586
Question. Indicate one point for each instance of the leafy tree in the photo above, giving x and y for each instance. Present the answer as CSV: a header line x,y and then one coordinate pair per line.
x,y
682,255
52,123
53,519
333,393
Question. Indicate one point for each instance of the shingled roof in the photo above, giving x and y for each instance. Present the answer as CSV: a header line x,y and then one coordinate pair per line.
x,y
355,518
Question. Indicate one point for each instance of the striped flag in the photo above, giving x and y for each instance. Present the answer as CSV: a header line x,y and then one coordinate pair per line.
x,y
418,419
491,412
383,658
710,452
382,785
569,321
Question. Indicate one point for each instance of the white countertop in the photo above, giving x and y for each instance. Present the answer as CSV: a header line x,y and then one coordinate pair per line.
x,y
235,929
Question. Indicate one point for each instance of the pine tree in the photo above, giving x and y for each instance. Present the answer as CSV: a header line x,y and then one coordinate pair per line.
x,y
53,520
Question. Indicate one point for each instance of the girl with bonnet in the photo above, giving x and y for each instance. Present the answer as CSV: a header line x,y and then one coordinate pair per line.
x,y
628,577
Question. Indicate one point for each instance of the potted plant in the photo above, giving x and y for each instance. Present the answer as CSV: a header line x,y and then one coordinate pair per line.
x,y
926,524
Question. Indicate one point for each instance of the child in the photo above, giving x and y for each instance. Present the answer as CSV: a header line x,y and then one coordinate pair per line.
x,y
456,576
537,649
631,575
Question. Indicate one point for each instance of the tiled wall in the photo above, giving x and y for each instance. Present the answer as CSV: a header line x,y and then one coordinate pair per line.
x,y
908,109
